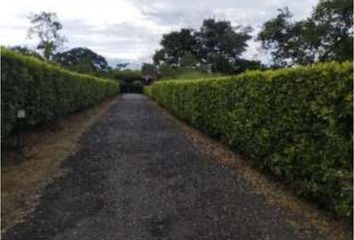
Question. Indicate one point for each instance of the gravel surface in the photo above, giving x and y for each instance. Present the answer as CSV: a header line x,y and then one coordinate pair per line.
x,y
136,176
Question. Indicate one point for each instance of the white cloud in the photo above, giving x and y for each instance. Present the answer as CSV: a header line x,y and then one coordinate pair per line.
x,y
132,29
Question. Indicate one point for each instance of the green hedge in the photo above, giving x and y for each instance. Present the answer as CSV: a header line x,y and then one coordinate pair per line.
x,y
44,91
295,123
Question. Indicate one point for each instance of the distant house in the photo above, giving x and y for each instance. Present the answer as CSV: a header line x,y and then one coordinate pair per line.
x,y
149,79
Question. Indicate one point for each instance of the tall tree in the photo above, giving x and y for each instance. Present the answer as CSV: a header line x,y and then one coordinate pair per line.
x,y
174,46
326,35
217,46
82,60
221,45
276,35
334,24
46,27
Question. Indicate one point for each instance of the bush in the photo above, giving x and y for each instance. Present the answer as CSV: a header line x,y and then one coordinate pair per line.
x,y
295,123
44,91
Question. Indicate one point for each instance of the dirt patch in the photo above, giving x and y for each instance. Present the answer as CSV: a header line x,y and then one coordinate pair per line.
x,y
26,172
306,216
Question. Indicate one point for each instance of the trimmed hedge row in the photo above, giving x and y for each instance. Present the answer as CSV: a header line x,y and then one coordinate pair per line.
x,y
44,91
295,123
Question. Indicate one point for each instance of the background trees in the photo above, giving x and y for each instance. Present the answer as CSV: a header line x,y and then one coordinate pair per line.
x,y
216,47
174,46
26,51
326,35
82,60
149,69
220,45
334,26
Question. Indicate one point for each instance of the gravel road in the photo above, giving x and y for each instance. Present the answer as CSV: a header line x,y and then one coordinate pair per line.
x,y
136,176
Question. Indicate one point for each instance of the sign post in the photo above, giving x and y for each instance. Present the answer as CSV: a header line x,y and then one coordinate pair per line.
x,y
21,115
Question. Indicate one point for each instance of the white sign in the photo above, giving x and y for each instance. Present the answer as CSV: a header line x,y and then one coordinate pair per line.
x,y
21,113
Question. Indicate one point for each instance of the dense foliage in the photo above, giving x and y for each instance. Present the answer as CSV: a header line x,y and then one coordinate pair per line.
x,y
44,91
324,36
216,47
82,60
295,123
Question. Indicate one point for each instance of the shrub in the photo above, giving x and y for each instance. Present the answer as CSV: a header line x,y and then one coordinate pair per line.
x,y
44,91
295,123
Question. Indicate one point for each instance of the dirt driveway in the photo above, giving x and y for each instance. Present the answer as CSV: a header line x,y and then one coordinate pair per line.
x,y
136,176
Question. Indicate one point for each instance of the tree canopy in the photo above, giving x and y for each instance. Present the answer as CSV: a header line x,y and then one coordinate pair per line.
x,y
216,47
174,46
46,27
82,60
326,35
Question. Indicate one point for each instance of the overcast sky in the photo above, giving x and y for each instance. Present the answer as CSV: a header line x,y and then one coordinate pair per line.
x,y
132,29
